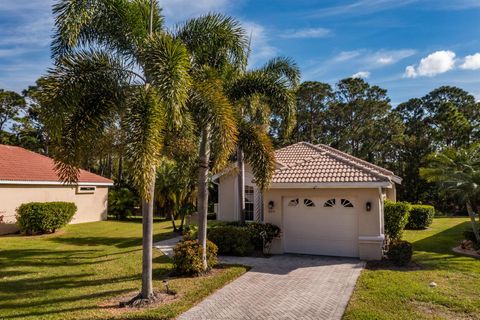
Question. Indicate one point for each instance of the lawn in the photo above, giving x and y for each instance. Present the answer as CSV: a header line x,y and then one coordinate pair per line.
x,y
405,293
70,275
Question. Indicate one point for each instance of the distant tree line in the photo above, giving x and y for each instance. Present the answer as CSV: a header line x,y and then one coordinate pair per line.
x,y
358,118
353,116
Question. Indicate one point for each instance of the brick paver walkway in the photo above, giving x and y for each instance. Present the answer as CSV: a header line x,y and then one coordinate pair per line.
x,y
283,287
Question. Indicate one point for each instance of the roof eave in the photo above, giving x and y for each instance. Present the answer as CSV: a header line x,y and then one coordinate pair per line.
x,y
325,185
56,183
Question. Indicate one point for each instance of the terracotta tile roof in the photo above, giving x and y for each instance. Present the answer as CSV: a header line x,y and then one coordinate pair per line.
x,y
18,164
306,163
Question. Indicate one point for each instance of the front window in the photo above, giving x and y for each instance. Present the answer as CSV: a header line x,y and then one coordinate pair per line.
x,y
249,200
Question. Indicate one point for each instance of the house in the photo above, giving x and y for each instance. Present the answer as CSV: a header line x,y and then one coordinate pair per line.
x,y
325,201
26,176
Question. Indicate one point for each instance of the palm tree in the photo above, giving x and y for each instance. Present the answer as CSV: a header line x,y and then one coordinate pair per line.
x,y
112,58
175,189
217,45
259,96
457,171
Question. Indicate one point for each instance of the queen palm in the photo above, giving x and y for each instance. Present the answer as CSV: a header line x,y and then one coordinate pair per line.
x,y
457,172
259,96
112,58
217,45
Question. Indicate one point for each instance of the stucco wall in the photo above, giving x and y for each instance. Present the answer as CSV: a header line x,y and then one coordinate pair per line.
x,y
91,207
227,194
370,228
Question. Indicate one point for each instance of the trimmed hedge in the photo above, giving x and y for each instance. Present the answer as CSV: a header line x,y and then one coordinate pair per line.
x,y
232,240
396,218
400,252
187,258
421,216
41,217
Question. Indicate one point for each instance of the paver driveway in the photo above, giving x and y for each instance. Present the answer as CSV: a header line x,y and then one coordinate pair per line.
x,y
283,287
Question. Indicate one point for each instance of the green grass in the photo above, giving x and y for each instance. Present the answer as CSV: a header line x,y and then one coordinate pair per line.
x,y
391,293
69,275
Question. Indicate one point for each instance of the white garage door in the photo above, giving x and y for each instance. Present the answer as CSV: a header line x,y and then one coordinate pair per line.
x,y
320,226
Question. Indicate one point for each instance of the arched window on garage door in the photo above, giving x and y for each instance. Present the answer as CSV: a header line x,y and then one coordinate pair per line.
x,y
329,203
346,203
308,203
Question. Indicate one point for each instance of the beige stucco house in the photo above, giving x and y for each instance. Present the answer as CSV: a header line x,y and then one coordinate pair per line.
x,y
326,202
26,176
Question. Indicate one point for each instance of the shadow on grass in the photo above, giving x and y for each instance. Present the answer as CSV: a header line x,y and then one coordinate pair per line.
x,y
444,241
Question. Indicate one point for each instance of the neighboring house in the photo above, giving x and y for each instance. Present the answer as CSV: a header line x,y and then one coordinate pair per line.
x,y
26,176
325,201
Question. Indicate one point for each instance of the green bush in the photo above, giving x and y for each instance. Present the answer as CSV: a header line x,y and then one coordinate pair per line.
x,y
421,216
187,258
396,218
232,240
211,216
41,217
122,202
261,232
400,252
190,232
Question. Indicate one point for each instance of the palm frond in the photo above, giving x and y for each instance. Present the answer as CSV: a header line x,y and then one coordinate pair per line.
x,y
259,153
84,90
116,24
283,67
215,40
276,92
144,122
167,65
211,107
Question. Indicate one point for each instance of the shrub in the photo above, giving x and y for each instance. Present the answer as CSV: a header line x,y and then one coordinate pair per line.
x,y
396,218
211,216
231,240
122,202
41,217
187,258
190,232
261,232
400,252
421,216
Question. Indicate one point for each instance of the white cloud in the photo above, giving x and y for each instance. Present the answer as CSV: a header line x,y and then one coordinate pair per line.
x,y
361,75
471,62
261,49
373,59
362,7
433,64
388,57
307,33
346,56
180,10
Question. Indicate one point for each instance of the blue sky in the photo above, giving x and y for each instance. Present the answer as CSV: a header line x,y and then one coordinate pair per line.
x,y
408,47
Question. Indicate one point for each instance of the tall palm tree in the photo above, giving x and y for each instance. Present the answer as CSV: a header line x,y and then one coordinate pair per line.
x,y
217,45
457,171
112,58
259,96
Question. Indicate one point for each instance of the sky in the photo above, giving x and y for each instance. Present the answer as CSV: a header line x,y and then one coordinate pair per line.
x,y
408,47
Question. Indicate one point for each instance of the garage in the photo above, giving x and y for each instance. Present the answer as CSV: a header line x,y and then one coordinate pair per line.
x,y
320,226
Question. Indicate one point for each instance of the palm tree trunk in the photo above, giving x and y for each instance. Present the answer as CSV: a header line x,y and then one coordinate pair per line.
x,y
202,199
147,243
241,185
471,214
172,217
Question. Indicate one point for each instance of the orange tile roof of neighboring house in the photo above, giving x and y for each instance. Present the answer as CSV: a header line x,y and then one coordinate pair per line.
x,y
19,164
307,163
